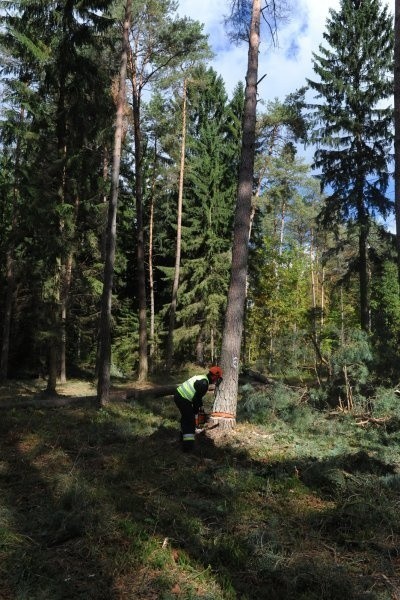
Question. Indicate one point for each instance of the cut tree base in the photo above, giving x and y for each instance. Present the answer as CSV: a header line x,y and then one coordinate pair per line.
x,y
223,422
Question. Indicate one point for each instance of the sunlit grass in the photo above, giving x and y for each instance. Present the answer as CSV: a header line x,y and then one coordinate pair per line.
x,y
293,505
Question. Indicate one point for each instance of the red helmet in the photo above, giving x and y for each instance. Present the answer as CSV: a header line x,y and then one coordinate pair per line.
x,y
216,372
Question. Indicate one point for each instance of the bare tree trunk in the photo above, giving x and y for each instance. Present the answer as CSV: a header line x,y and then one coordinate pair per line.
x,y
65,287
53,345
200,348
151,276
172,310
224,411
141,271
322,298
342,325
5,348
66,277
103,384
10,266
103,242
364,279
397,127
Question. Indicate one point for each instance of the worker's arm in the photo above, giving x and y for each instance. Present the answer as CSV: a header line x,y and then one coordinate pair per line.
x,y
201,387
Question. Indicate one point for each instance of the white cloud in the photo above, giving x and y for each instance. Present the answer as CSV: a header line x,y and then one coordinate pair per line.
x,y
286,66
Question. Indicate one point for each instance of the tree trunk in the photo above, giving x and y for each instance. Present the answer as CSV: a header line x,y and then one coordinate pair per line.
x,y
52,360
65,287
151,274
5,347
363,273
200,348
226,397
141,271
10,266
103,384
66,276
397,127
172,310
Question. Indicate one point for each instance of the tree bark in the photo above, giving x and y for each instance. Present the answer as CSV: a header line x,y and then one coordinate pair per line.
x,y
151,273
226,397
10,265
141,271
5,347
364,278
172,310
103,383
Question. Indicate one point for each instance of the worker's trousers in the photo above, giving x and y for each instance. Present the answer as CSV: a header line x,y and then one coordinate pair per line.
x,y
188,425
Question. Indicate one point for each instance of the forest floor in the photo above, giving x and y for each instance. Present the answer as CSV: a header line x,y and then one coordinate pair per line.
x,y
101,504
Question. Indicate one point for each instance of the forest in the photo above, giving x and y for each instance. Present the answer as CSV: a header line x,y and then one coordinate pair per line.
x,y
322,295
152,225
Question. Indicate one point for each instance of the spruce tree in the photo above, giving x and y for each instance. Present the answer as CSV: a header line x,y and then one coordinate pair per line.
x,y
352,123
213,147
56,73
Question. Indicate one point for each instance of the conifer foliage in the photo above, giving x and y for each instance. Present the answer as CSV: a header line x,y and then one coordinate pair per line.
x,y
214,203
353,122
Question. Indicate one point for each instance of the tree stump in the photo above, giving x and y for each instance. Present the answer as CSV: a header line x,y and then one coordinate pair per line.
x,y
224,421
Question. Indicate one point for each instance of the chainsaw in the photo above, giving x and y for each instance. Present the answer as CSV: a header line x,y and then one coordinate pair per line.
x,y
201,419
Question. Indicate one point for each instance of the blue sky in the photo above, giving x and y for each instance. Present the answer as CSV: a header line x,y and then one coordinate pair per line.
x,y
287,65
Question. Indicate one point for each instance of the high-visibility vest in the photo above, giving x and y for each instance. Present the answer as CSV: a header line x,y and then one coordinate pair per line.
x,y
187,389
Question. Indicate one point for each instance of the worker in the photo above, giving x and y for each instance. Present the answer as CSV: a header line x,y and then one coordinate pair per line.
x,y
189,400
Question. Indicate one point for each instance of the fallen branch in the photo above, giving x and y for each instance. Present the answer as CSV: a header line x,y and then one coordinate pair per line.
x,y
377,421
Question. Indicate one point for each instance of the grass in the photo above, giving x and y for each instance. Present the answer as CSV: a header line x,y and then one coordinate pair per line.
x,y
102,504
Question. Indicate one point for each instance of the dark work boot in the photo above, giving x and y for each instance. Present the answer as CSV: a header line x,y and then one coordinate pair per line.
x,y
188,446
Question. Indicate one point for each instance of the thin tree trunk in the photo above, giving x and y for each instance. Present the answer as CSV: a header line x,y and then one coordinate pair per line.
x,y
103,242
313,290
282,228
322,298
57,333
363,271
65,287
226,397
66,277
5,347
53,339
172,310
151,274
103,384
10,268
141,271
397,127
342,325
200,348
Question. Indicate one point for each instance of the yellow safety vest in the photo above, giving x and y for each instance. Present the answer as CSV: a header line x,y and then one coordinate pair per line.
x,y
187,389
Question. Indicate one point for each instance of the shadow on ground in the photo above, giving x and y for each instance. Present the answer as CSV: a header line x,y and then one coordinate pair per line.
x,y
104,505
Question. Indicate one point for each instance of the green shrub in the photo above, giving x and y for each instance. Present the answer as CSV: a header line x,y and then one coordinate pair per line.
x,y
386,403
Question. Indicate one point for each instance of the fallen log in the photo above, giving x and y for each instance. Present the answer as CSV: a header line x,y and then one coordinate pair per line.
x,y
153,392
257,376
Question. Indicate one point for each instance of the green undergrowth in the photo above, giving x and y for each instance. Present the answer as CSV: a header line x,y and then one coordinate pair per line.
x,y
295,504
